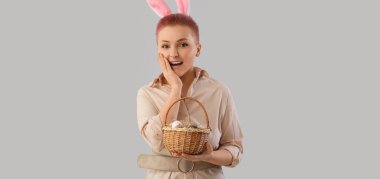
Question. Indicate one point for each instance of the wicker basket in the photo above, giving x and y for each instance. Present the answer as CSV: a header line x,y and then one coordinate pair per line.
x,y
186,139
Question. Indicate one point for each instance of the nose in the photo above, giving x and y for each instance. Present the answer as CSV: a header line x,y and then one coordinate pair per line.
x,y
173,52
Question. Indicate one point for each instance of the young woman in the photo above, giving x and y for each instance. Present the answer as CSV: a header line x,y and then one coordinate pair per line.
x,y
178,46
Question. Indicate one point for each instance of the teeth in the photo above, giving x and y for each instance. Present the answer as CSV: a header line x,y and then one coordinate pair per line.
x,y
175,62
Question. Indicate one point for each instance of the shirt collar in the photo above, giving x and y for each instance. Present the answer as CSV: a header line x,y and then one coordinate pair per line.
x,y
158,81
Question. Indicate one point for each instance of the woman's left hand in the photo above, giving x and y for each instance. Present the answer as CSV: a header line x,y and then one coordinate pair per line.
x,y
204,156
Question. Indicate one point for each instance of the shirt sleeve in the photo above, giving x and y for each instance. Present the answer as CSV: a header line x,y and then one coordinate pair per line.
x,y
149,121
232,135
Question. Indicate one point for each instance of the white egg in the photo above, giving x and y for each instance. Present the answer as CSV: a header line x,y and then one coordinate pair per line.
x,y
196,124
176,124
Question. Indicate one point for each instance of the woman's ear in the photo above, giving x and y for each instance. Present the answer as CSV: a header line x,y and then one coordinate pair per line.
x,y
199,47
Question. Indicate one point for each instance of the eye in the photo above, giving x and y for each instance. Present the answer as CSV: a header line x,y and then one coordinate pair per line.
x,y
183,45
164,46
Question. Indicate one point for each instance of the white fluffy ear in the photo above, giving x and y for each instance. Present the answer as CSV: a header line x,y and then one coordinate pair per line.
x,y
183,6
159,7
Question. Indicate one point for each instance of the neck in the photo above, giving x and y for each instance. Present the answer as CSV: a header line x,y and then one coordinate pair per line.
x,y
187,80
188,77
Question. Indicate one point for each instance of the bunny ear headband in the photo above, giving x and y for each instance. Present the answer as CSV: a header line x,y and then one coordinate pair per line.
x,y
162,9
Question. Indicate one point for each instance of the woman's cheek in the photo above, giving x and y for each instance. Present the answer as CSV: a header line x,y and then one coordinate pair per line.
x,y
163,53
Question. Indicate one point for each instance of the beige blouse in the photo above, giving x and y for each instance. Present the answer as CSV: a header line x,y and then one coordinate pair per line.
x,y
224,122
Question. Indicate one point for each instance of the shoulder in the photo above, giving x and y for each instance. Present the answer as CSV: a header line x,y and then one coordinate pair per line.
x,y
145,89
149,91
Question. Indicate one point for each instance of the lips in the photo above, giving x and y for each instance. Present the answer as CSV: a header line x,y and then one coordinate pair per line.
x,y
175,63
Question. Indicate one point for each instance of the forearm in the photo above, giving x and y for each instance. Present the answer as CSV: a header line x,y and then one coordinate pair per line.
x,y
175,94
219,157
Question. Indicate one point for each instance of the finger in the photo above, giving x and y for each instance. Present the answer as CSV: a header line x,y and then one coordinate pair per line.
x,y
161,61
166,60
168,67
190,157
209,148
175,154
184,156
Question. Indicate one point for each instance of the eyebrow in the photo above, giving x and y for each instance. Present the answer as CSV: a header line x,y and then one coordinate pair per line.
x,y
177,40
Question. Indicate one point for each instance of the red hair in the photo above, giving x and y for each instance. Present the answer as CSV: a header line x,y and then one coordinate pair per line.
x,y
178,19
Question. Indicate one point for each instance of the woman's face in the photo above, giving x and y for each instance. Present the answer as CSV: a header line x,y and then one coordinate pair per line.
x,y
178,44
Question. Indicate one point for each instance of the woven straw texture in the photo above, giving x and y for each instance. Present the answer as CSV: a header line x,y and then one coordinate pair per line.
x,y
186,140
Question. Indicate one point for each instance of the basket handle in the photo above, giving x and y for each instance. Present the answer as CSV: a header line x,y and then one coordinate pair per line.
x,y
204,110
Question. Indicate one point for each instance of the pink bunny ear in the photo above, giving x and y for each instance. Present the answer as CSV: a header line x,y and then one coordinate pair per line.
x,y
159,7
183,6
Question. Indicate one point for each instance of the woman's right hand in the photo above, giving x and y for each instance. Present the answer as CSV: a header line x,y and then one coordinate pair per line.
x,y
170,76
176,85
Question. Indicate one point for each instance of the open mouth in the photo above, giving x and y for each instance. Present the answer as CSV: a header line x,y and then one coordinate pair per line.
x,y
175,63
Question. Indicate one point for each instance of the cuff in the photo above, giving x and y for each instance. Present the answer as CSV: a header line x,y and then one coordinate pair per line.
x,y
236,155
152,132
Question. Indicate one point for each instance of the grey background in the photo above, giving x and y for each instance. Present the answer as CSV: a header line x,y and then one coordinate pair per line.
x,y
304,75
